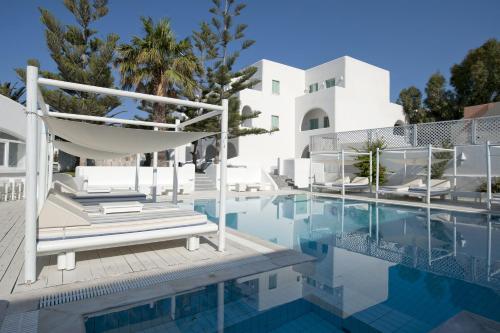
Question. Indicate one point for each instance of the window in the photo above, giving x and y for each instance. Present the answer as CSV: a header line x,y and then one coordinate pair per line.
x,y
326,122
276,87
273,281
14,154
330,83
313,123
2,153
275,122
313,87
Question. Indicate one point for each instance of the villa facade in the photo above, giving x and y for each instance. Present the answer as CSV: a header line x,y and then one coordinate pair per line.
x,y
340,95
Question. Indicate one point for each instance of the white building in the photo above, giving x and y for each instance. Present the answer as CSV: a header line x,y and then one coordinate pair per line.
x,y
12,138
340,95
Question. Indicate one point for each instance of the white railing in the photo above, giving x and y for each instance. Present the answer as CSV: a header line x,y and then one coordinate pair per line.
x,y
438,134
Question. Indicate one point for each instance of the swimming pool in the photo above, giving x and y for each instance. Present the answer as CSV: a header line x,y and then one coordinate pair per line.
x,y
379,268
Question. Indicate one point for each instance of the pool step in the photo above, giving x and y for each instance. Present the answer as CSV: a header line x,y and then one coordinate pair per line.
x,y
203,183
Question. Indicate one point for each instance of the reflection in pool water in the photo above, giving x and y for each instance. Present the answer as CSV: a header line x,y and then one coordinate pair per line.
x,y
379,268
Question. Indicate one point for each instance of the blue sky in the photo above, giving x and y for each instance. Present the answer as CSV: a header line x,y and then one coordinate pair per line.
x,y
412,39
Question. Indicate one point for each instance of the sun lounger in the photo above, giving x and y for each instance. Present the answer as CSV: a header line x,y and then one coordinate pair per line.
x,y
439,187
65,229
402,187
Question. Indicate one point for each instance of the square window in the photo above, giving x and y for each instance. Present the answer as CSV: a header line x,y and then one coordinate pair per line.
x,y
330,83
326,122
313,87
2,153
276,87
273,281
275,122
313,123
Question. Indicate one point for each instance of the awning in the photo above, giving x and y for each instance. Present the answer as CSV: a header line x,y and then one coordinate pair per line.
x,y
76,150
119,140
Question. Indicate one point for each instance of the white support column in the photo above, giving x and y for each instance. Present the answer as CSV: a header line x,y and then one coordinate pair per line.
x,y
223,175
155,174
376,222
370,219
371,171
137,170
31,173
404,172
429,166
488,175
343,171
377,177
175,181
454,168
310,176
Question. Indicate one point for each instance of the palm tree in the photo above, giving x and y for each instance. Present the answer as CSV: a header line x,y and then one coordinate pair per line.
x,y
158,64
9,90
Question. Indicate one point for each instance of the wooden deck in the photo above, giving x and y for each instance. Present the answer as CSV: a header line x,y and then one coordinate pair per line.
x,y
103,266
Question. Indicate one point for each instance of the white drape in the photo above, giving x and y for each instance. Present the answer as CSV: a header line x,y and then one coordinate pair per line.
x,y
119,140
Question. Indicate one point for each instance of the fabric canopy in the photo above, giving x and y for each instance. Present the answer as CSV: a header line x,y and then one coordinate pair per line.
x,y
76,150
119,140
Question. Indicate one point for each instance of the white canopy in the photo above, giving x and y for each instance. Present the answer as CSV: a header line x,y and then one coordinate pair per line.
x,y
80,151
119,140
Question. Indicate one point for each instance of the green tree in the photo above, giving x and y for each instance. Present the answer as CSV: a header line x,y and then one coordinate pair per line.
x,y
439,101
411,100
158,64
11,91
81,57
477,78
218,46
363,161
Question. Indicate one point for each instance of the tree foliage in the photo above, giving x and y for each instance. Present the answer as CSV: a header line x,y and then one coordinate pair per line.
x,y
363,161
218,45
475,80
158,64
81,57
11,91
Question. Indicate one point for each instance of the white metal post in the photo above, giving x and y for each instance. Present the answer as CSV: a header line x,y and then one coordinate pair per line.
x,y
223,175
377,172
137,170
155,174
371,171
404,172
175,181
429,244
454,168
31,171
429,164
488,175
343,171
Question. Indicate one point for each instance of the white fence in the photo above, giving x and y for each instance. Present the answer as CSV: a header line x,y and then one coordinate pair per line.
x,y
455,132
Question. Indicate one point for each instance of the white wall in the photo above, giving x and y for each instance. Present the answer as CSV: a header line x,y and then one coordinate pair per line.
x,y
124,177
267,148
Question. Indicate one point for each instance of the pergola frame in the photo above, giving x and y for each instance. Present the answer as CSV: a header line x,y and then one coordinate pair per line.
x,y
39,150
489,192
340,155
403,151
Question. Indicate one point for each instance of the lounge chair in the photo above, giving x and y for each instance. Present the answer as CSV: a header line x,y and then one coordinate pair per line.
x,y
336,182
438,187
402,187
64,229
73,186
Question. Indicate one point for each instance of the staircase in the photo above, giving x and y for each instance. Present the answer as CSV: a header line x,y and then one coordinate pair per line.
x,y
203,183
283,182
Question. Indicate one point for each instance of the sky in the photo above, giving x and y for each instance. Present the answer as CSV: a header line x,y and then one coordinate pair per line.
x,y
412,39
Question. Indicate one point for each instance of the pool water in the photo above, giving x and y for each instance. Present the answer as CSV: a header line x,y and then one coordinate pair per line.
x,y
378,268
